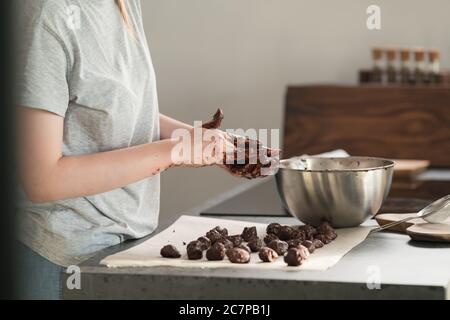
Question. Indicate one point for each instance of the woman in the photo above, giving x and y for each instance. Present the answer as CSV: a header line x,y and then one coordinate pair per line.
x,y
91,139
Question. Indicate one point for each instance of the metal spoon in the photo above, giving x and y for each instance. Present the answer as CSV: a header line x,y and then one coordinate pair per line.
x,y
437,212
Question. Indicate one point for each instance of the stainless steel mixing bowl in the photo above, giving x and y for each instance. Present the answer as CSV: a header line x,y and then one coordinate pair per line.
x,y
343,191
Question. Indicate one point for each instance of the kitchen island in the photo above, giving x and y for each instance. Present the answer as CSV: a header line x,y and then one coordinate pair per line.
x,y
385,266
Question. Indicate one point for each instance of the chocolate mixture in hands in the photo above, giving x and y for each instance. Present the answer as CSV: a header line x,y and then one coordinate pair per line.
x,y
255,156
216,122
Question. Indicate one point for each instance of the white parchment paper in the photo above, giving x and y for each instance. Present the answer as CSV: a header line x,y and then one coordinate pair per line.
x,y
188,228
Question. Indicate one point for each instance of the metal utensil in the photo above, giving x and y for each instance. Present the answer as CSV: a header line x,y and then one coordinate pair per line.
x,y
437,212
343,191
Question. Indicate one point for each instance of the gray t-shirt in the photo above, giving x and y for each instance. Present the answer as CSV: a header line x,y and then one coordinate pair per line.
x,y
80,61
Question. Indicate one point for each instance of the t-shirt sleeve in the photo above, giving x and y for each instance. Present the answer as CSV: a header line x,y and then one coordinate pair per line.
x,y
43,71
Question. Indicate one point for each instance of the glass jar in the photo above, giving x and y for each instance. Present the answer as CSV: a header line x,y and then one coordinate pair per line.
x,y
434,72
420,76
377,70
391,68
405,66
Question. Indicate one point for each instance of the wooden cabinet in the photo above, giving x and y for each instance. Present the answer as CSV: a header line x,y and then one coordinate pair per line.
x,y
392,122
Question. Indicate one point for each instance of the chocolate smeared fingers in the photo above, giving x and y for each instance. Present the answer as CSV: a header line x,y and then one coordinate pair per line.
x,y
216,122
250,159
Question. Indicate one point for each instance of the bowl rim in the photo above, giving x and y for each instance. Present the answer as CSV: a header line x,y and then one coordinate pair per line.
x,y
390,164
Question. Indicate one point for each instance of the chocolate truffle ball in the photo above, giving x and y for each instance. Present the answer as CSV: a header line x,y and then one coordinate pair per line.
x,y
237,255
293,258
249,233
195,250
255,244
268,255
216,252
170,251
279,246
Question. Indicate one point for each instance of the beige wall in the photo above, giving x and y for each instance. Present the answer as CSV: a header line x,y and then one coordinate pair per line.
x,y
241,54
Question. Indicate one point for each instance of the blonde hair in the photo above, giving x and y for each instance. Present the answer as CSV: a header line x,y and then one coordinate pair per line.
x,y
124,12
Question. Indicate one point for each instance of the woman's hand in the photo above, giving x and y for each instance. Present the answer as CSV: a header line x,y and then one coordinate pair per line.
x,y
244,157
207,145
200,147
